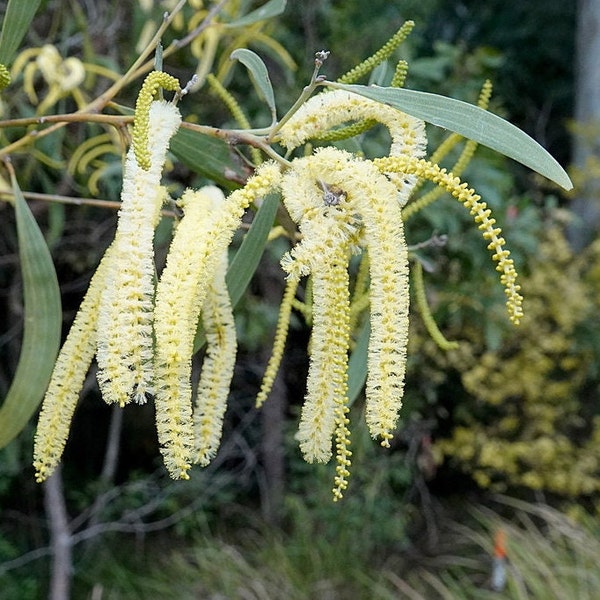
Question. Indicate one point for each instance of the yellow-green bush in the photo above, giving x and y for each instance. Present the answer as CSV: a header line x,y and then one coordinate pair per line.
x,y
531,419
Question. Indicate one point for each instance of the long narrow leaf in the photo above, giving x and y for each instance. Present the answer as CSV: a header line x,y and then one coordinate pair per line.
x,y
247,257
18,17
471,122
42,325
259,75
357,365
208,156
268,10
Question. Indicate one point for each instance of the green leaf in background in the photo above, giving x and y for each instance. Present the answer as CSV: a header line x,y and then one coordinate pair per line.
x,y
266,11
42,325
471,122
208,156
259,75
247,257
17,19
357,365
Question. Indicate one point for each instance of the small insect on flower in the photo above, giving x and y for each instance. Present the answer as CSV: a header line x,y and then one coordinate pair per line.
x,y
332,195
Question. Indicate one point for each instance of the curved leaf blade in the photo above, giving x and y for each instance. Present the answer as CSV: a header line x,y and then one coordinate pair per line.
x,y
18,17
42,325
259,75
246,259
268,10
357,365
471,122
208,156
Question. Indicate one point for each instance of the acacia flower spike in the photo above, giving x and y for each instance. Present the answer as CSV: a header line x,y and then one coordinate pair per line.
x,y
196,251
67,379
382,54
180,294
283,323
141,120
4,77
482,215
217,369
428,320
328,231
366,213
332,108
125,316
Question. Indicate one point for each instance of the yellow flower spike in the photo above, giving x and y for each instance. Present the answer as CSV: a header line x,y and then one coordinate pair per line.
x,y
330,109
125,317
71,73
367,206
323,411
217,369
4,77
436,335
141,120
442,150
201,238
343,133
382,54
389,303
48,61
318,204
481,214
400,74
180,294
68,376
281,332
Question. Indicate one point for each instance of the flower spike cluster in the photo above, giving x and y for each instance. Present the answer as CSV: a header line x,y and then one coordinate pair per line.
x,y
114,321
342,205
193,283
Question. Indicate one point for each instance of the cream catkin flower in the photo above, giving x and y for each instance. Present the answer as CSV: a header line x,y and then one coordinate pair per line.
x,y
283,323
317,200
180,294
217,368
67,379
125,321
370,200
389,302
330,109
481,214
199,244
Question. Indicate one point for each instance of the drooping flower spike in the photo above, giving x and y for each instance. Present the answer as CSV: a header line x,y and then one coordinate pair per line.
x,y
194,264
114,319
217,368
125,321
341,202
70,369
482,216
